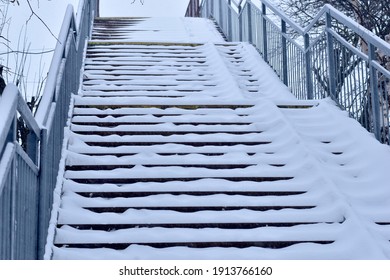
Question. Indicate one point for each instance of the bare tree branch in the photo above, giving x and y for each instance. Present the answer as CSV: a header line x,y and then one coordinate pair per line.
x,y
23,52
39,18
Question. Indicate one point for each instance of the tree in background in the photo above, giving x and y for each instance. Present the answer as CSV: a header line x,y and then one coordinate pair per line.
x,y
19,73
373,15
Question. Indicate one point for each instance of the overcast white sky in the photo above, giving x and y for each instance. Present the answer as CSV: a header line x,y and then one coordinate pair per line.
x,y
38,38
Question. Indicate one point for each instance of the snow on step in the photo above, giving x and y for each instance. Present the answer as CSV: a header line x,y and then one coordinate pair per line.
x,y
186,30
198,151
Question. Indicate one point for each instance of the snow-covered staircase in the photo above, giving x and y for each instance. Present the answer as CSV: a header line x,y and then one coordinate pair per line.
x,y
187,151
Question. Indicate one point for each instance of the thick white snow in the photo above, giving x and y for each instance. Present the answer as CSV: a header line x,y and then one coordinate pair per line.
x,y
334,164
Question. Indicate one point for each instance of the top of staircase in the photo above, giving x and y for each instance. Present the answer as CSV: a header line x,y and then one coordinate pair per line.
x,y
156,29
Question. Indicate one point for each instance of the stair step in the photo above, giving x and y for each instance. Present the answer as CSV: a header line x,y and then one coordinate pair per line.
x,y
198,245
173,179
140,193
112,167
189,209
89,110
191,144
231,225
159,133
111,124
120,105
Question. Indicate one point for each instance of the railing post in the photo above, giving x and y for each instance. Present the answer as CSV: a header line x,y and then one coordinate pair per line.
x,y
229,24
32,147
376,123
14,176
265,44
221,23
13,207
284,54
309,77
42,203
331,58
250,27
240,24
97,13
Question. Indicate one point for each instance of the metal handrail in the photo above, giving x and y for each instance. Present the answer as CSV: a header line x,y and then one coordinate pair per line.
x,y
314,66
28,177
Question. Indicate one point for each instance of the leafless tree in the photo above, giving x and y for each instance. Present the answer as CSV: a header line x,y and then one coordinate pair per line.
x,y
19,73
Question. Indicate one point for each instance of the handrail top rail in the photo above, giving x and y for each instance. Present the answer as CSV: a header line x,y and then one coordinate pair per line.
x,y
363,32
48,93
360,30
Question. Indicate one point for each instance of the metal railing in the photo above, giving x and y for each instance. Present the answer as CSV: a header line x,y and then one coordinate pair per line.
x,y
193,9
315,62
28,177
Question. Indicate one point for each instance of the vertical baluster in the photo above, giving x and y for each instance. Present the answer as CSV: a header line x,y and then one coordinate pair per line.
x,y
265,36
229,32
250,27
331,58
374,92
284,54
309,77
240,24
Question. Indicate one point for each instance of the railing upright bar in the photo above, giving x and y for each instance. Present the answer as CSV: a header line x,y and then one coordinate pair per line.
x,y
374,92
240,24
308,68
250,22
229,32
284,54
265,44
331,58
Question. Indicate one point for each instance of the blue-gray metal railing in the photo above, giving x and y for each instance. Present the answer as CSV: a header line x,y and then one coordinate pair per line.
x,y
314,62
193,9
28,178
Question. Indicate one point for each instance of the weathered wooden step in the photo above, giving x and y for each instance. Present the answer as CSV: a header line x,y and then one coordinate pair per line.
x,y
112,167
101,123
199,193
162,133
189,143
189,209
241,225
123,181
194,107
198,245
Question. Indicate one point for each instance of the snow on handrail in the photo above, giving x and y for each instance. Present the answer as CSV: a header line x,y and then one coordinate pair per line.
x,y
360,30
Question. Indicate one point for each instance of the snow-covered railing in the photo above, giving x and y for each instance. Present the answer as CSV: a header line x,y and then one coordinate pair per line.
x,y
28,178
315,62
19,185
